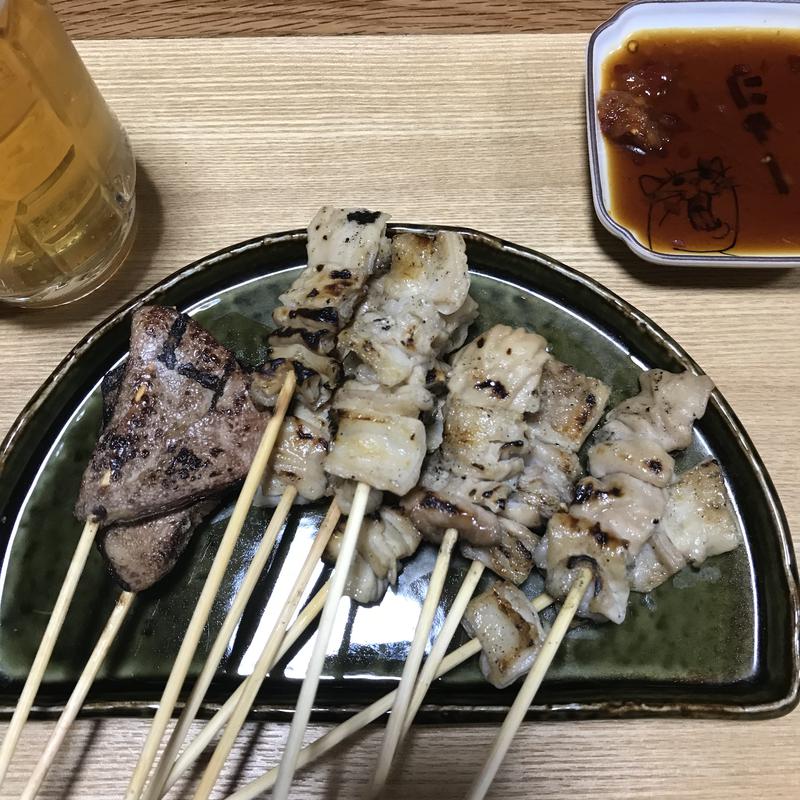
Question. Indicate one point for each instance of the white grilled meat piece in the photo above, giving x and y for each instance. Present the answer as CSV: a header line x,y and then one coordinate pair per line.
x,y
500,370
570,544
623,507
345,247
385,451
637,456
698,519
511,557
509,630
363,585
406,401
491,494
412,314
384,540
657,561
664,410
571,405
697,523
546,484
317,376
298,458
433,265
344,491
482,442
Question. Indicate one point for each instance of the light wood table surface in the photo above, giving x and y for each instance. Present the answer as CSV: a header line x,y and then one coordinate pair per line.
x,y
236,137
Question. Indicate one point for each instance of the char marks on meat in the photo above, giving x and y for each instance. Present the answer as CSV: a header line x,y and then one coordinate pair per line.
x,y
138,554
697,523
183,428
509,630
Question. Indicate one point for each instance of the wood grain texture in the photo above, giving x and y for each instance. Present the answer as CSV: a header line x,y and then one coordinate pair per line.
x,y
238,137
146,18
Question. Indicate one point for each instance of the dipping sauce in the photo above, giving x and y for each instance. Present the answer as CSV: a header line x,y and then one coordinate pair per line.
x,y
703,135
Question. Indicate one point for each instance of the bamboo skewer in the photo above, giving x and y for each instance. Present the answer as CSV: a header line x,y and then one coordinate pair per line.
x,y
439,650
267,657
394,728
217,651
206,735
46,646
209,593
73,706
531,684
371,713
308,690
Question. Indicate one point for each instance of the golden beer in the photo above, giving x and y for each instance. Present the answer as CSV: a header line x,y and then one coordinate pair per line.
x,y
67,172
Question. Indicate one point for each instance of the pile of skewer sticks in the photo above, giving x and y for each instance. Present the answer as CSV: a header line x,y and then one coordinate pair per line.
x,y
403,703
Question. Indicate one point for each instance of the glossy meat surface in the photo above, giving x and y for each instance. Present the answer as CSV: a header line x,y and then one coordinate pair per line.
x,y
500,370
664,410
509,630
572,543
571,405
621,506
138,554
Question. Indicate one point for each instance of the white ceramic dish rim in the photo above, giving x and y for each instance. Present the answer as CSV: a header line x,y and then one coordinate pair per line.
x,y
740,13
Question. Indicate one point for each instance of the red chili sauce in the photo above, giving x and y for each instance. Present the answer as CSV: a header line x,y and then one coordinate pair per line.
x,y
703,130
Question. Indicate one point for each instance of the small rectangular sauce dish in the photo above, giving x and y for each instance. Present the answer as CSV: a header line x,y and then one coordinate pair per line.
x,y
693,121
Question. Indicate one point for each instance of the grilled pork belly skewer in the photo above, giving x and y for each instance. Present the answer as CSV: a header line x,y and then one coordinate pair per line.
x,y
561,407
409,317
612,518
345,247
618,508
570,406
533,680
177,377
373,712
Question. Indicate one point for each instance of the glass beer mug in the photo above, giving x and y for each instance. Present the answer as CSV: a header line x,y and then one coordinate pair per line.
x,y
67,171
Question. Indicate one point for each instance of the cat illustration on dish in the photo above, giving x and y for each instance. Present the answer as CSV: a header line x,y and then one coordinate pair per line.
x,y
697,206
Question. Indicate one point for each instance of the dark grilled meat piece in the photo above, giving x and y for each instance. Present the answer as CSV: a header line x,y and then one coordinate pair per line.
x,y
434,512
137,554
184,426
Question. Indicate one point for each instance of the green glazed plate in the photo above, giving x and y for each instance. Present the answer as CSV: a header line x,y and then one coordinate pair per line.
x,y
719,641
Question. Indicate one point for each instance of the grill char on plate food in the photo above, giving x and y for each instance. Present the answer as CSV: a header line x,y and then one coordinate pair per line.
x,y
138,554
183,428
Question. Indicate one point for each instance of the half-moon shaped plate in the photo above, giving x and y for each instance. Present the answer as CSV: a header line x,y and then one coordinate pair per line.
x,y
718,641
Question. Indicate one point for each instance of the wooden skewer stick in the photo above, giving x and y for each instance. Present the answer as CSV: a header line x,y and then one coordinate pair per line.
x,y
531,684
209,593
196,747
439,650
394,728
46,646
341,732
267,657
75,702
308,690
220,645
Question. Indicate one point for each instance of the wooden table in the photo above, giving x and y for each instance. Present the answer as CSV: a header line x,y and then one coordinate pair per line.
x,y
240,136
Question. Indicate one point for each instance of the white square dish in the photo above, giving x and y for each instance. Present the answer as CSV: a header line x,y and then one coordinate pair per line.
x,y
672,15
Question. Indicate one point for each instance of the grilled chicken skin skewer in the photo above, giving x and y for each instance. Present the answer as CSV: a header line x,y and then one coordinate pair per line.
x,y
623,524
618,509
513,421
363,431
345,248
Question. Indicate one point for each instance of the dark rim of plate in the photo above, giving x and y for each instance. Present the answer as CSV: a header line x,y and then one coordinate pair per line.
x,y
479,712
